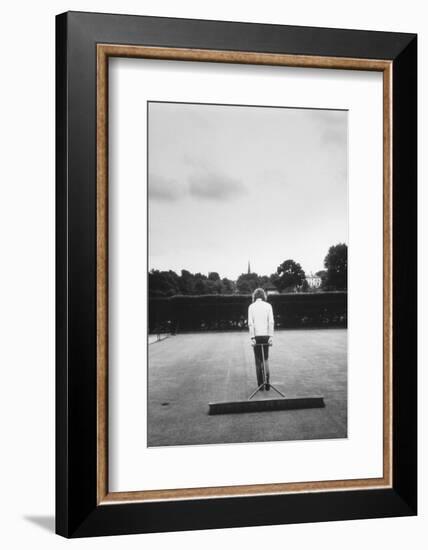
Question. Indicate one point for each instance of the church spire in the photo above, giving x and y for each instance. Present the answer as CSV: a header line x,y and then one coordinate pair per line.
x,y
249,267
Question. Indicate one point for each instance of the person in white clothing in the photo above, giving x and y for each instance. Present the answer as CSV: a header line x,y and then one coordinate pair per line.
x,y
261,325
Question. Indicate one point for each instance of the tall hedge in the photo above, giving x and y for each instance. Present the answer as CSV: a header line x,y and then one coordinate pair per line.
x,y
229,312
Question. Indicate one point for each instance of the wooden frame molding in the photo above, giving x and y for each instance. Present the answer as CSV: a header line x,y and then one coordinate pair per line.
x,y
104,52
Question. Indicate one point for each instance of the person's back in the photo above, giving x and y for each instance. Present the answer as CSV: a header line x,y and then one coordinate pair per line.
x,y
260,319
260,326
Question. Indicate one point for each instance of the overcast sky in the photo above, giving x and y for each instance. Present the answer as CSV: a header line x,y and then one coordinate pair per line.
x,y
230,184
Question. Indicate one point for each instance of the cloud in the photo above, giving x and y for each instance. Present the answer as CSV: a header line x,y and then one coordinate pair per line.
x,y
193,161
163,189
217,187
333,126
333,136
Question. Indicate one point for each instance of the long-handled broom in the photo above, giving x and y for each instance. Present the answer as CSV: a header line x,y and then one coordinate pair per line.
x,y
275,404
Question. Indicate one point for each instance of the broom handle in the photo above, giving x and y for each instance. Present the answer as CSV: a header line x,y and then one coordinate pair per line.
x,y
264,367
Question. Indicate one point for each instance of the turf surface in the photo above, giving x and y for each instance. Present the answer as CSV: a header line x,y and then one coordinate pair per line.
x,y
188,371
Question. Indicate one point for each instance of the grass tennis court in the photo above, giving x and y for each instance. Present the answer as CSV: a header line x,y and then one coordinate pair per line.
x,y
188,371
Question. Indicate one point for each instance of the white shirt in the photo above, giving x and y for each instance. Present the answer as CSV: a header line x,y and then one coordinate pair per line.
x,y
260,319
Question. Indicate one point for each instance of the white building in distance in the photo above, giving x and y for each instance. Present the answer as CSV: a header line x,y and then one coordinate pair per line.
x,y
313,281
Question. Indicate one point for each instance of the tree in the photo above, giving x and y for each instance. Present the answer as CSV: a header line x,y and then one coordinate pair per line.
x,y
213,276
264,281
274,277
336,263
247,283
187,282
322,274
168,283
163,283
201,286
305,286
290,275
228,286
214,287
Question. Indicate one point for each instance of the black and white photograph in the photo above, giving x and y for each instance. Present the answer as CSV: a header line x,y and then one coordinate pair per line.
x,y
247,281
212,290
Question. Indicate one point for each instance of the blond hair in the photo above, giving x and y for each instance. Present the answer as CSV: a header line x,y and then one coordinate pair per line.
x,y
259,293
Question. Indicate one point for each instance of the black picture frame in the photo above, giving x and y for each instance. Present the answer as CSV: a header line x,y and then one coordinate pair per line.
x,y
78,513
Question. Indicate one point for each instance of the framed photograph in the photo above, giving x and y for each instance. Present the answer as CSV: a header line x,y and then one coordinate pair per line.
x,y
236,274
